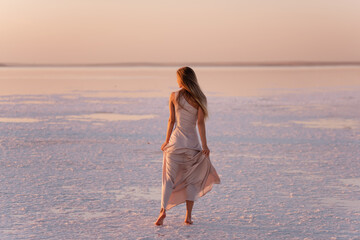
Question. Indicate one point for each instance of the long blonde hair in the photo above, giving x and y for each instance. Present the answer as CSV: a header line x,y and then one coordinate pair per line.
x,y
189,82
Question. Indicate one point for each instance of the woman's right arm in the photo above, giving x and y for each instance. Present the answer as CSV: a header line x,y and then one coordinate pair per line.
x,y
202,131
171,120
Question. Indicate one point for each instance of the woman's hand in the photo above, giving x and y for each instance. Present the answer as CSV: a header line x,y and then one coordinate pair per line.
x,y
206,150
162,146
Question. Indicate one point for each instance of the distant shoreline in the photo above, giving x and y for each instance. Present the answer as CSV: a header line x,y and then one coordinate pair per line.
x,y
197,64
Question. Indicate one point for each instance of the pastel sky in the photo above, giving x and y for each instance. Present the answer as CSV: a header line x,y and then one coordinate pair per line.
x,y
93,31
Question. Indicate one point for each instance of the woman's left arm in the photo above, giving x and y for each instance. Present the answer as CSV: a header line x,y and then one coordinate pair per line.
x,y
171,120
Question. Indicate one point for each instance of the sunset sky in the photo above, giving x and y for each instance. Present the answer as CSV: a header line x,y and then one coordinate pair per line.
x,y
105,31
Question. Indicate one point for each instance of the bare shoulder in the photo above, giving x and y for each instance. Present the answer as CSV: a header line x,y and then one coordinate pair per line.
x,y
200,110
172,97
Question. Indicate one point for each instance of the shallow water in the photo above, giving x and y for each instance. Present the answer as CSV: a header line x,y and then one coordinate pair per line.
x,y
288,165
134,82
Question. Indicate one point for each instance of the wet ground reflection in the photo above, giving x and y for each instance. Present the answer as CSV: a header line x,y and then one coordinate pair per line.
x,y
108,117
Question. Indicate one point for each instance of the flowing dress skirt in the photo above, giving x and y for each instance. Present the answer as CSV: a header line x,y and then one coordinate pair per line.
x,y
186,176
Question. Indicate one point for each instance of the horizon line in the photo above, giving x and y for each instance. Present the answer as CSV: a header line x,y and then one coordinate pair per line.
x,y
199,64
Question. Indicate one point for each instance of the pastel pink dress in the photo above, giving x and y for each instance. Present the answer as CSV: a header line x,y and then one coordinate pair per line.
x,y
187,173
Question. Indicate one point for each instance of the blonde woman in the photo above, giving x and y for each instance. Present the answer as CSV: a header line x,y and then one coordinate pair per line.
x,y
187,171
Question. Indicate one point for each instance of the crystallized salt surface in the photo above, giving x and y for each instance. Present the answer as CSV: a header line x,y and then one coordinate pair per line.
x,y
77,167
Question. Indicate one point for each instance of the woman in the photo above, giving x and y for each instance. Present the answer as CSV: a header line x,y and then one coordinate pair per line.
x,y
187,171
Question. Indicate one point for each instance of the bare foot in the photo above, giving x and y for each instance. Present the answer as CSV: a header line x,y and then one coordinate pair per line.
x,y
188,221
160,219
